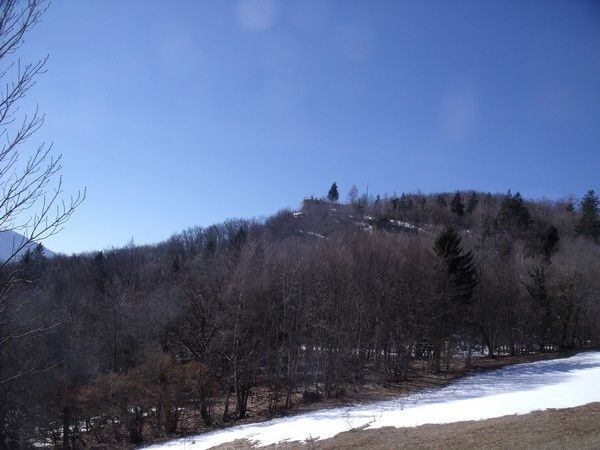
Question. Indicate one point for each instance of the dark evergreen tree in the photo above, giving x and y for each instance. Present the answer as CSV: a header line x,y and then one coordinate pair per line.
x,y
441,201
514,215
405,203
27,257
458,265
589,221
489,200
456,205
472,203
38,251
33,263
549,239
536,286
333,194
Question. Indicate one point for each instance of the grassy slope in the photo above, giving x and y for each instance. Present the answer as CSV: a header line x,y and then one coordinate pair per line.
x,y
551,429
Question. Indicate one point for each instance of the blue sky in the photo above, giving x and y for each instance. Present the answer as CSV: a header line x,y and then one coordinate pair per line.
x,y
182,113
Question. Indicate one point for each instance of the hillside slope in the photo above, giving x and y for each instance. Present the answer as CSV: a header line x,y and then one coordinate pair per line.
x,y
11,241
550,429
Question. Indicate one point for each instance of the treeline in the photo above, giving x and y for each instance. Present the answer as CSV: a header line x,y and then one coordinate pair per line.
x,y
134,344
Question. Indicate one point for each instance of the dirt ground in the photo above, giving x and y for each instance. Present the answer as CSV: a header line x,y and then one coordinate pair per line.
x,y
572,428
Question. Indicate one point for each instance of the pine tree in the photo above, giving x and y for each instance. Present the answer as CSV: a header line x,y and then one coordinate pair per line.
x,y
38,251
441,201
333,194
456,205
589,221
405,203
472,203
458,263
536,286
549,240
513,214
489,200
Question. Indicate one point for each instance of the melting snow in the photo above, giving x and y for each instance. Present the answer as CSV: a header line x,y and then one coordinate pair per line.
x,y
311,233
405,224
517,389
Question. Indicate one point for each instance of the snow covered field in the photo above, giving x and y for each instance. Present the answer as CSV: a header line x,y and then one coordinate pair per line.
x,y
518,389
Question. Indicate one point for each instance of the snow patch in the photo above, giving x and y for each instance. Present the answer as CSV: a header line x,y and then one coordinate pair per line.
x,y
399,223
311,233
517,389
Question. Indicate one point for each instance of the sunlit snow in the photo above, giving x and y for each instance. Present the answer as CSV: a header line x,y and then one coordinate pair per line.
x,y
517,389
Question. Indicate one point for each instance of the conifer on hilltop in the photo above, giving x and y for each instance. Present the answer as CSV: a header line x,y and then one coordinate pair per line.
x,y
472,203
513,214
589,220
458,264
456,205
333,194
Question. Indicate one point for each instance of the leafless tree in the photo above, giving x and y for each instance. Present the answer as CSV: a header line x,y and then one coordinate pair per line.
x,y
31,199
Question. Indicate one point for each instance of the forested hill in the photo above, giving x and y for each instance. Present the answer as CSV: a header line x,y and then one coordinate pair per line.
x,y
149,341
15,245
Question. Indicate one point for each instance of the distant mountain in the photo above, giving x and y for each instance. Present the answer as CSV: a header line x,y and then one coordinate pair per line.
x,y
10,241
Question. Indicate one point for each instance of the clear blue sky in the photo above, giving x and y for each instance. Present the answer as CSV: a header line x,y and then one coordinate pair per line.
x,y
181,113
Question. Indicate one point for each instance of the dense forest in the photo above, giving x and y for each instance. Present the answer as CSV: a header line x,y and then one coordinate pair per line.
x,y
128,345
